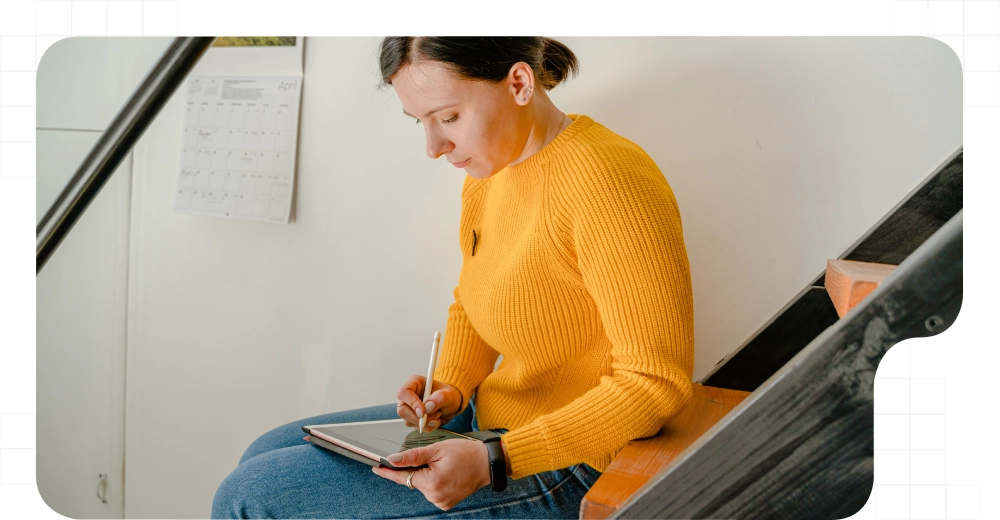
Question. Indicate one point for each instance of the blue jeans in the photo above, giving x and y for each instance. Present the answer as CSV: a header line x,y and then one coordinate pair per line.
x,y
283,476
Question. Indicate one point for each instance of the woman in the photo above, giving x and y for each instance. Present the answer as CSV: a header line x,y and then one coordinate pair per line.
x,y
574,269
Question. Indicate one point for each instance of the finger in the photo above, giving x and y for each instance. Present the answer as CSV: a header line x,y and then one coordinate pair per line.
x,y
413,386
397,476
441,401
406,413
411,419
413,457
409,394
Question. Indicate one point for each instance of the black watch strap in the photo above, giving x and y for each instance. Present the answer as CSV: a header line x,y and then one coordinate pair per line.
x,y
498,464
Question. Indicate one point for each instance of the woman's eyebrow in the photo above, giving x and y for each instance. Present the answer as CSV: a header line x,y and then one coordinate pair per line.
x,y
437,109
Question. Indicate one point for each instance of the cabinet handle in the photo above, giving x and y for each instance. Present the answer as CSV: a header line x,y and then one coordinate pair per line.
x,y
102,488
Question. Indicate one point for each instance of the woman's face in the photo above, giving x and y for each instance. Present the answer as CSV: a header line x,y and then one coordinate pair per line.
x,y
475,125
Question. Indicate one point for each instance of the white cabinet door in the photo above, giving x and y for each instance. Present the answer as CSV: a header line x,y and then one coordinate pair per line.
x,y
80,340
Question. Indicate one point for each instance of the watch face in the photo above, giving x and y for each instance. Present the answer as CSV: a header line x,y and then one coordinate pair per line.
x,y
498,466
498,475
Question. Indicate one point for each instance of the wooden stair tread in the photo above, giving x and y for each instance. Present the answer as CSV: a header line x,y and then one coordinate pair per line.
x,y
643,458
848,282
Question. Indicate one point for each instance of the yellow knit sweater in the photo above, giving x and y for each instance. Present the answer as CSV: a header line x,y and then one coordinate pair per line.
x,y
580,279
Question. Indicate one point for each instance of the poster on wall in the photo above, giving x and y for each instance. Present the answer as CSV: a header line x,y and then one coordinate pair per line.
x,y
252,56
240,130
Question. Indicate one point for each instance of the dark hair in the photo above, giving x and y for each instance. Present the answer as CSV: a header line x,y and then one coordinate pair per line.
x,y
481,58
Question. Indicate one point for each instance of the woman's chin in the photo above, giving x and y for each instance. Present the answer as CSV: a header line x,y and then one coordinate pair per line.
x,y
477,173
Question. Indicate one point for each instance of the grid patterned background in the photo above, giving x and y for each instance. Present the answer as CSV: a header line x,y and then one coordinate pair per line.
x,y
27,29
911,458
910,441
971,28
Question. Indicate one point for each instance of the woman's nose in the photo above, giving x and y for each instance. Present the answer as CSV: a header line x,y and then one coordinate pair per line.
x,y
437,145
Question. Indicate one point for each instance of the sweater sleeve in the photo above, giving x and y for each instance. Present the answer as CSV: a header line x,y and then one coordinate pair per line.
x,y
465,358
630,253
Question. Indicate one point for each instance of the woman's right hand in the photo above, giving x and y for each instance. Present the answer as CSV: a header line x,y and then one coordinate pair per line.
x,y
440,407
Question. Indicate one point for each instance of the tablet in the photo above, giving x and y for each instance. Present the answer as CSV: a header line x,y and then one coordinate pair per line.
x,y
373,441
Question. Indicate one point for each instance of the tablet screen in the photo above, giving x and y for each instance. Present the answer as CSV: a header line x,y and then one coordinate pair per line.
x,y
381,438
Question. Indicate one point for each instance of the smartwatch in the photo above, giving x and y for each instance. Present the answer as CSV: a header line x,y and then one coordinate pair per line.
x,y
498,464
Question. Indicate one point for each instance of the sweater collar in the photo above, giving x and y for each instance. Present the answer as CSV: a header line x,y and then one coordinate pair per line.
x,y
553,148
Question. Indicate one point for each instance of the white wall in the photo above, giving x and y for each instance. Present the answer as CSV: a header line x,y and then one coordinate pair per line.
x,y
781,152
234,321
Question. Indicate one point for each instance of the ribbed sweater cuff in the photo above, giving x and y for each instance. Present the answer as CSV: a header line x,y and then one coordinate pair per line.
x,y
459,379
527,450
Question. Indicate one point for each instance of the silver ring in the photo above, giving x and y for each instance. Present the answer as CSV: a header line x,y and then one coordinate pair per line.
x,y
409,480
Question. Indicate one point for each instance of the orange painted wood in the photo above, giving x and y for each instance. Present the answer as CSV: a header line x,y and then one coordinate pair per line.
x,y
848,282
643,458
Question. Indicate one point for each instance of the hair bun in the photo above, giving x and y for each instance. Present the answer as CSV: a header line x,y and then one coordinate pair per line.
x,y
558,63
481,58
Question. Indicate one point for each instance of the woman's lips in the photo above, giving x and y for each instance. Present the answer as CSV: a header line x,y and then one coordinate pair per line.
x,y
461,164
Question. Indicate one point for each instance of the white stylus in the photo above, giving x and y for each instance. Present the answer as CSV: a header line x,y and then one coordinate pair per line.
x,y
428,382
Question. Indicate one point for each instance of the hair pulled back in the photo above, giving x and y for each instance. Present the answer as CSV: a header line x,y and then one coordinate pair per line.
x,y
481,58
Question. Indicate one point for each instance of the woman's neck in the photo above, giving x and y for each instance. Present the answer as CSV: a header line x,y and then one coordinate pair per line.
x,y
546,123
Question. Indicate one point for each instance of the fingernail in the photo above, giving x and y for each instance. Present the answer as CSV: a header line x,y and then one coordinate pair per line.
x,y
433,423
374,470
430,406
419,413
395,457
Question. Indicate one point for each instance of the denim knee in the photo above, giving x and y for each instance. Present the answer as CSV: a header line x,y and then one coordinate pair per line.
x,y
254,489
230,498
264,444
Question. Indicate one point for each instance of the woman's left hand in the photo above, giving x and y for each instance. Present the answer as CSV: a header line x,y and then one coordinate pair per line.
x,y
456,468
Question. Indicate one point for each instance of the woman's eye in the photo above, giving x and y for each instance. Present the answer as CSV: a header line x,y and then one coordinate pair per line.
x,y
452,119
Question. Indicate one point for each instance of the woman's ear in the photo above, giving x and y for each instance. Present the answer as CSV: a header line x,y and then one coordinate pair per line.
x,y
521,80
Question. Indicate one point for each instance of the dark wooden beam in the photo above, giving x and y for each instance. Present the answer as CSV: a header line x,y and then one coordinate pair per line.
x,y
808,315
801,445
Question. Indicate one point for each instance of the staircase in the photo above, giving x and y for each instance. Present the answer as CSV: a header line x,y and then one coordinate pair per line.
x,y
801,443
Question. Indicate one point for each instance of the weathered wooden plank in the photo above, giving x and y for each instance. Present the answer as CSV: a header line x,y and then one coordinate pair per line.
x,y
801,445
914,220
918,216
777,342
643,458
921,213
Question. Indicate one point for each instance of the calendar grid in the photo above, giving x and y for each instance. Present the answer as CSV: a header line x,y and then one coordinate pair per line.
x,y
238,147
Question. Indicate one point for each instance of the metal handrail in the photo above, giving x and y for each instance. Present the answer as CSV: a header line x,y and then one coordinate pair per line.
x,y
116,142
